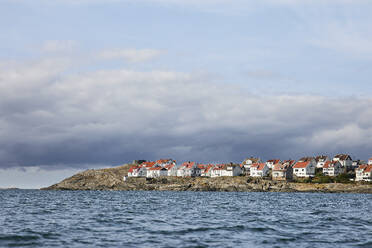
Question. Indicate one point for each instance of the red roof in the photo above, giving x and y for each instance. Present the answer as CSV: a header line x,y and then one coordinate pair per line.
x,y
301,164
365,168
258,166
327,164
274,161
188,165
330,164
148,164
169,166
280,167
208,168
155,168
131,169
162,161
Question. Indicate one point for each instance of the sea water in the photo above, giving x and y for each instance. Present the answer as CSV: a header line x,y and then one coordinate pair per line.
x,y
33,218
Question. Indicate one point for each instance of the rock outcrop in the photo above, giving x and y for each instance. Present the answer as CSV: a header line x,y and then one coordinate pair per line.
x,y
112,179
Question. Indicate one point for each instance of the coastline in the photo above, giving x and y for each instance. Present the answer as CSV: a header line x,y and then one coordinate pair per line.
x,y
112,179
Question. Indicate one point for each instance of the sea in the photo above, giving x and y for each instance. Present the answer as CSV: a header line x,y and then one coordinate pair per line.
x,y
34,218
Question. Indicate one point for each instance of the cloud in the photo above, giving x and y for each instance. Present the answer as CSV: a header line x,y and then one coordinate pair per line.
x,y
131,55
49,117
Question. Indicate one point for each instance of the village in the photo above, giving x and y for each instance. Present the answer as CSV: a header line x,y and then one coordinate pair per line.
x,y
305,168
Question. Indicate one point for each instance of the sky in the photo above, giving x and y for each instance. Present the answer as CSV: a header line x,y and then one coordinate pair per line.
x,y
99,83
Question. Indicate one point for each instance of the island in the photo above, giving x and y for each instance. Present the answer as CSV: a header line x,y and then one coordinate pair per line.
x,y
116,179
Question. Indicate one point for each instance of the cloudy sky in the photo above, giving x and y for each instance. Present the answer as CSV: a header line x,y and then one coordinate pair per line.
x,y
97,83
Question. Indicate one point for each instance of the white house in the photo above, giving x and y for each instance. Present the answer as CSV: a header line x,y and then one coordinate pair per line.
x,y
282,171
134,171
231,170
157,171
172,170
217,171
363,173
344,159
270,163
205,169
333,168
321,160
164,162
259,170
188,169
246,164
370,161
304,169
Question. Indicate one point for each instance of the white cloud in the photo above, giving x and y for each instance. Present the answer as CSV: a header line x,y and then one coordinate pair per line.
x,y
130,55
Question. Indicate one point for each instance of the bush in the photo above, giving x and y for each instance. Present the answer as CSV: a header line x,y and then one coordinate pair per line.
x,y
323,179
343,178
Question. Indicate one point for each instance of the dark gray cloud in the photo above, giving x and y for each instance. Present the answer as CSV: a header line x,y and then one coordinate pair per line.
x,y
50,117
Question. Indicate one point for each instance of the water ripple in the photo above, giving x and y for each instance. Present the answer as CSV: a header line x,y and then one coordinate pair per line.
x,y
32,218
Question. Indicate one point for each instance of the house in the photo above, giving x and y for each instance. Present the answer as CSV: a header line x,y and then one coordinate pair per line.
x,y
333,168
157,171
205,169
188,169
146,166
172,170
270,163
364,173
289,162
259,170
304,169
282,171
321,160
355,164
217,170
370,161
345,160
246,164
164,162
231,170
134,171
306,159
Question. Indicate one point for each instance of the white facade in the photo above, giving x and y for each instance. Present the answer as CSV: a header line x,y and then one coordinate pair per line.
x,y
344,159
321,160
216,172
260,170
304,169
156,172
270,163
333,169
206,170
370,161
231,171
172,170
188,169
137,172
364,173
248,162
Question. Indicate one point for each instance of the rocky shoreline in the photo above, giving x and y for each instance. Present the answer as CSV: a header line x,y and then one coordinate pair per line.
x,y
112,179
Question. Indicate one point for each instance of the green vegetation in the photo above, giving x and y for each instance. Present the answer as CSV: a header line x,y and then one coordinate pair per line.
x,y
323,179
343,178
